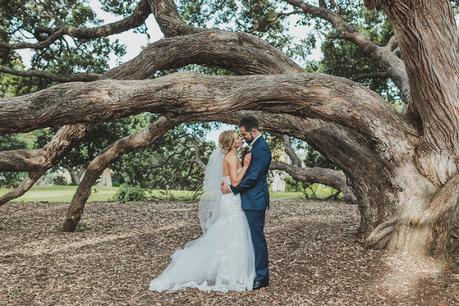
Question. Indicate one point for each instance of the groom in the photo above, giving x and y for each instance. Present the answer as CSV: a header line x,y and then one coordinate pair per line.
x,y
254,195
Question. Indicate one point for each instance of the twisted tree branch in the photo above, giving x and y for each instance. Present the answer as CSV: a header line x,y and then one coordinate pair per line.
x,y
324,176
80,77
41,159
168,18
308,95
383,55
136,19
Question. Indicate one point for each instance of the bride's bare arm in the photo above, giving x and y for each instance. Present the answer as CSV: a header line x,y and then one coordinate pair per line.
x,y
233,164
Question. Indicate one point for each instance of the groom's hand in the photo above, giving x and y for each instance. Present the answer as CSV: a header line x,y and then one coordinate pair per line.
x,y
224,188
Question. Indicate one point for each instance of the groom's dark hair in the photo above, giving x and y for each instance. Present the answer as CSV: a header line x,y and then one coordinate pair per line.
x,y
249,122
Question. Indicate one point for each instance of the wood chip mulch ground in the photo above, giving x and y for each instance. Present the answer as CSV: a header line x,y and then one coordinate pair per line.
x,y
120,247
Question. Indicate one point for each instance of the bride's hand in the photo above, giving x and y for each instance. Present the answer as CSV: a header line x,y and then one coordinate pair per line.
x,y
247,160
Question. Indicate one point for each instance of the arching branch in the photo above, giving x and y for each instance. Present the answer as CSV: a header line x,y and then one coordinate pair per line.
x,y
34,160
240,53
329,98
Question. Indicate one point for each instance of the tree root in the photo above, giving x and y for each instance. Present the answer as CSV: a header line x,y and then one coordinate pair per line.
x,y
380,235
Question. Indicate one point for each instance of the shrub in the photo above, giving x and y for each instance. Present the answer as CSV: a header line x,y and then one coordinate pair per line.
x,y
59,180
130,193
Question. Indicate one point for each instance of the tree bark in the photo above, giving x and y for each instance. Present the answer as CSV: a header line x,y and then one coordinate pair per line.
x,y
37,162
325,97
34,160
426,218
428,42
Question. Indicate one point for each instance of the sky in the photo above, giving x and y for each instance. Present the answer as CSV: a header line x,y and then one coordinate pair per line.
x,y
135,41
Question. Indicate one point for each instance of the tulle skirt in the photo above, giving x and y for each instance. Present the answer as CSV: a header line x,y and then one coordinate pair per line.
x,y
221,259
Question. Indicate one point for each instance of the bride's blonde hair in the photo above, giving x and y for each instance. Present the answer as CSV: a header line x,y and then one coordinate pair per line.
x,y
226,140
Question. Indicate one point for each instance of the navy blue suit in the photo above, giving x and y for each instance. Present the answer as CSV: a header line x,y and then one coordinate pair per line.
x,y
255,200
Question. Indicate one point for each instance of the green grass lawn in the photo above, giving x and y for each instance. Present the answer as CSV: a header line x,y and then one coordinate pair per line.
x,y
65,193
62,194
321,191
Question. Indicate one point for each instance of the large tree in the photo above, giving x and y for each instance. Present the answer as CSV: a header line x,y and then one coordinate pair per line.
x,y
401,166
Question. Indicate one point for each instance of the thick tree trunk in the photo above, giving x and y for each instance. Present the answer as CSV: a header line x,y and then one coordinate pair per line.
x,y
426,221
431,226
428,42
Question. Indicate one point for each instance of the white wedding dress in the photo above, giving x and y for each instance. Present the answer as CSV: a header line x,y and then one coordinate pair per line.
x,y
221,259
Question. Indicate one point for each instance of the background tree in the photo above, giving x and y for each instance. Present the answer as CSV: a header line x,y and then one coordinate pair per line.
x,y
176,161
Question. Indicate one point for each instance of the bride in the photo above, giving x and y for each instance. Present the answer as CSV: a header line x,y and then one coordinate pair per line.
x,y
222,258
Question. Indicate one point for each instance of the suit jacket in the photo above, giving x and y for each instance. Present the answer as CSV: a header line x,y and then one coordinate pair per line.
x,y
254,186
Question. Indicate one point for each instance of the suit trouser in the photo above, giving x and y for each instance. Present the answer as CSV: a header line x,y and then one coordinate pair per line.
x,y
256,220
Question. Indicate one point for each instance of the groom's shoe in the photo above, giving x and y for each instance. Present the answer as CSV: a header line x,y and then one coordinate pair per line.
x,y
260,284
